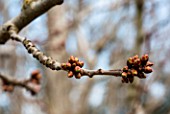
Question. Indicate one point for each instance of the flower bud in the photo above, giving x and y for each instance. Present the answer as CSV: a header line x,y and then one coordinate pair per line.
x,y
5,87
76,60
137,62
124,74
149,64
10,88
141,75
68,65
147,69
135,57
63,65
140,69
78,76
80,63
77,69
130,61
129,73
125,68
70,74
144,58
73,65
39,76
71,59
134,72
35,72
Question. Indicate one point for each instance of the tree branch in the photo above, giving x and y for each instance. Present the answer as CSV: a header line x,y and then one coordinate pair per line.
x,y
135,66
25,17
9,84
91,73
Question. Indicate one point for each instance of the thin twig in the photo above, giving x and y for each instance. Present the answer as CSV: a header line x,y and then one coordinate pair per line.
x,y
20,83
91,73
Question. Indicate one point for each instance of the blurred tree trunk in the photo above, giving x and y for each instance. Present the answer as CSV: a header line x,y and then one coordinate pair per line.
x,y
139,25
8,63
58,85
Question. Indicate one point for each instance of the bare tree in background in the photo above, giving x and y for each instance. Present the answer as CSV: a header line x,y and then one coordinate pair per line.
x,y
103,34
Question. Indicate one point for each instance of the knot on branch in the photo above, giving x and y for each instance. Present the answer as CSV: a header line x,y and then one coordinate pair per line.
x,y
73,66
136,67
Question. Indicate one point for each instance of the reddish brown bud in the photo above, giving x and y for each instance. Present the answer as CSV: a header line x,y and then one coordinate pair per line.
x,y
71,59
76,60
125,68
137,62
39,76
10,88
140,69
78,76
80,63
141,75
149,64
73,65
35,72
124,74
70,74
135,57
129,73
144,58
5,87
147,69
134,72
35,77
130,61
68,65
77,69
63,65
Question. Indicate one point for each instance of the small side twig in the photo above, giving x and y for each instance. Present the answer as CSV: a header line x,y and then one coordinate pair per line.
x,y
9,83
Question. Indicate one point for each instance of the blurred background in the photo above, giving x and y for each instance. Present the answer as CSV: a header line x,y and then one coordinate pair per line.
x,y
102,33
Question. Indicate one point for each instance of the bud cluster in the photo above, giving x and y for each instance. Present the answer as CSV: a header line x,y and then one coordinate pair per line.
x,y
136,67
73,66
